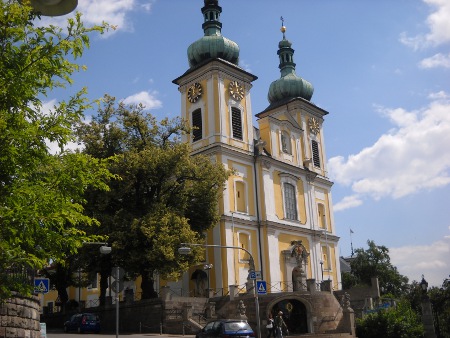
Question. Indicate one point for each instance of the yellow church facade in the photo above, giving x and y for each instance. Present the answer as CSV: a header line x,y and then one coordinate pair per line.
x,y
279,192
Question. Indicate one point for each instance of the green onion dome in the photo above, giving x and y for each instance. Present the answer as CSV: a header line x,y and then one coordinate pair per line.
x,y
212,45
289,85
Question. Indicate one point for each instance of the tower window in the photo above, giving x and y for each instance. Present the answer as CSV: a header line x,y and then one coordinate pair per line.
x,y
290,202
315,153
236,121
197,125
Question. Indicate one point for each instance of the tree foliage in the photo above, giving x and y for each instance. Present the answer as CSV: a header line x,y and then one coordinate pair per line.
x,y
164,196
375,262
395,322
41,194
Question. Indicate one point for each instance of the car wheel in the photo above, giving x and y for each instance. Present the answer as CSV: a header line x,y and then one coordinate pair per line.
x,y
79,330
66,329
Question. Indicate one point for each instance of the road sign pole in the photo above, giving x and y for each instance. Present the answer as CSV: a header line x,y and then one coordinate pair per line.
x,y
117,301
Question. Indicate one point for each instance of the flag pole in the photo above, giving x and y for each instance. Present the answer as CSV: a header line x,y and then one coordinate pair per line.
x,y
351,242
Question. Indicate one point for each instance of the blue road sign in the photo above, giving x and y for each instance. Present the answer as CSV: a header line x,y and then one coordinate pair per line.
x,y
261,287
252,274
41,285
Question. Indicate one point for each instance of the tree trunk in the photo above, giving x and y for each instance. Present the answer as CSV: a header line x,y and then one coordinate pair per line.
x,y
148,290
61,283
104,275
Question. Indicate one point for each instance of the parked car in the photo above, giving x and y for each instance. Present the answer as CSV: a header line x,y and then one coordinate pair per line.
x,y
83,322
226,328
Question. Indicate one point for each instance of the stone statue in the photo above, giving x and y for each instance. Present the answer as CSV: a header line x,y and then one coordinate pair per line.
x,y
345,301
299,252
241,310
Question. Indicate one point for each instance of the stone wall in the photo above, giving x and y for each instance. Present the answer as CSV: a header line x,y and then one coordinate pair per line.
x,y
19,317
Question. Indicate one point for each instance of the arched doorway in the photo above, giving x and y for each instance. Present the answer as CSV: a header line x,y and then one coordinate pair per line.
x,y
294,315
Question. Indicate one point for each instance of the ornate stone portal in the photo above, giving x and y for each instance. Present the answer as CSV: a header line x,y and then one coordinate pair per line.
x,y
299,252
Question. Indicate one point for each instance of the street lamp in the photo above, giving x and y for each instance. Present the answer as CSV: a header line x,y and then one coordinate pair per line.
x,y
424,285
208,267
185,250
106,250
53,7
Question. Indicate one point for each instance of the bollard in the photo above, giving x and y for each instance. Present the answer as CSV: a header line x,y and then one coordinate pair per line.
x,y
160,328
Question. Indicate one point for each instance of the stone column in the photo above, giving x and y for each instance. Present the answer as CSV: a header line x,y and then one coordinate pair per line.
x,y
427,318
311,285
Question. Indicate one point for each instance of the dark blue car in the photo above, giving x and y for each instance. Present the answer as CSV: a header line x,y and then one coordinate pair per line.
x,y
226,328
83,322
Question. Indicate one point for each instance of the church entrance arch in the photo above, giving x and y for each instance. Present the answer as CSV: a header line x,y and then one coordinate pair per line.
x,y
295,314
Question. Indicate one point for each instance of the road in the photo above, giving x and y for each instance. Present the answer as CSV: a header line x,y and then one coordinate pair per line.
x,y
134,335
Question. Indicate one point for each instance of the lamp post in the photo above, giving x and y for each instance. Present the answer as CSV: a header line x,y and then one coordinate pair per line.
x,y
185,250
427,312
208,267
106,250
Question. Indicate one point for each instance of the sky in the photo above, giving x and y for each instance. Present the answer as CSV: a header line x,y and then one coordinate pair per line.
x,y
380,68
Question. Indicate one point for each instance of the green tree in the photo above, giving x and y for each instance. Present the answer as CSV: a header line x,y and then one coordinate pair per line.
x,y
395,322
41,194
376,262
164,197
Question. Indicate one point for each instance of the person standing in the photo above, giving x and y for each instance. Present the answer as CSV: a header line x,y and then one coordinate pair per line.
x,y
280,325
270,326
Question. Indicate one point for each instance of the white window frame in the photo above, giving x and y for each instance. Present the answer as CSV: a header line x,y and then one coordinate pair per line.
x,y
286,178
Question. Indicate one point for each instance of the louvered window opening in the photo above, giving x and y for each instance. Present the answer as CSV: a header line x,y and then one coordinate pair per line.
x,y
315,151
290,201
197,124
236,122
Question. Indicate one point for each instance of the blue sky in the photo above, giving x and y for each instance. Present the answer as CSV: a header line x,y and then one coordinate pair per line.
x,y
381,69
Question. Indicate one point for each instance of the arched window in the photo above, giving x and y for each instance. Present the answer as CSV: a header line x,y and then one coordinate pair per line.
x,y
290,201
197,132
236,123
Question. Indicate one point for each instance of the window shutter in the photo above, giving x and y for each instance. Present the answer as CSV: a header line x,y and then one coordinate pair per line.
x,y
197,124
315,153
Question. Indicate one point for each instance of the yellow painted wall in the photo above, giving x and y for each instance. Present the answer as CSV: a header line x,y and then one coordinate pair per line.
x,y
301,202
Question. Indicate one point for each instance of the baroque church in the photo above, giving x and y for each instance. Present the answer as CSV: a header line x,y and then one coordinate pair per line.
x,y
277,205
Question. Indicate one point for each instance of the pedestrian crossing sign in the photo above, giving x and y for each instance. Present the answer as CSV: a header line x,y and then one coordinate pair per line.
x,y
41,285
261,287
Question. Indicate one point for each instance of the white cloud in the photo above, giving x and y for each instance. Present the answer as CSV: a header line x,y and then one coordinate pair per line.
x,y
148,99
413,156
347,203
433,261
438,24
437,60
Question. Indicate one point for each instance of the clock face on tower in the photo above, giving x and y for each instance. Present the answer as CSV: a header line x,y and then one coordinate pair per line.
x,y
194,92
314,125
236,90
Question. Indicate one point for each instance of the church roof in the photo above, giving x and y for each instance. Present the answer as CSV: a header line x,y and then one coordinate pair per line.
x,y
289,85
212,45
